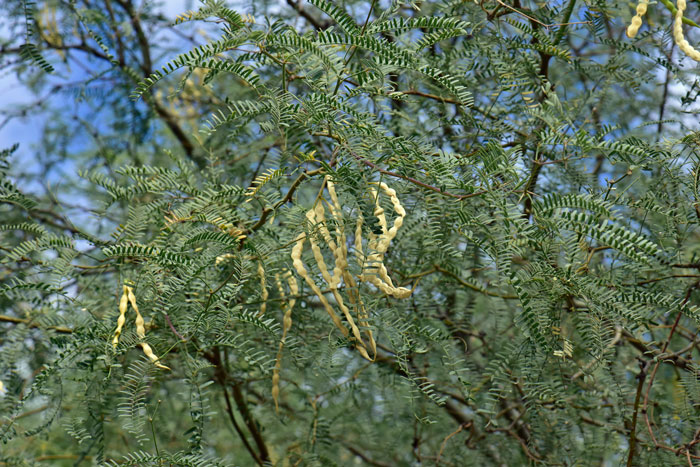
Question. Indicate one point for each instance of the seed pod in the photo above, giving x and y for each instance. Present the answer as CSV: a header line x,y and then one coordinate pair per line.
x,y
286,325
149,353
129,297
636,23
678,33
341,267
140,328
225,257
301,270
263,287
317,215
373,269
123,304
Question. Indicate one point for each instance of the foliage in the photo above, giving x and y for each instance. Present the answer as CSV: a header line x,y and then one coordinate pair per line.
x,y
395,233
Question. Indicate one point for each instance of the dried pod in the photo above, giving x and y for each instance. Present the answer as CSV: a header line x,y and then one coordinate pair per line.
x,y
373,269
128,296
286,325
636,23
149,353
123,304
682,43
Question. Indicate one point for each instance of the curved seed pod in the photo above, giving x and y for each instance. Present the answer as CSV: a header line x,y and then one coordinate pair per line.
x,y
388,288
129,297
123,304
398,222
140,328
317,216
341,262
149,353
678,33
263,287
636,23
313,216
286,325
301,270
320,214
373,269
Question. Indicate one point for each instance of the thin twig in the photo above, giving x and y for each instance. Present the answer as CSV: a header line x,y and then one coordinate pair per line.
x,y
447,438
172,328
645,406
410,179
32,324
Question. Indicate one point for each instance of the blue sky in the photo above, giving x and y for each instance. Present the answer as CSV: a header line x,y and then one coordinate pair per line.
x,y
27,131
24,130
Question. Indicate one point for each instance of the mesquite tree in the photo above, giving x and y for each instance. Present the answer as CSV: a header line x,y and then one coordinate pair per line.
x,y
373,232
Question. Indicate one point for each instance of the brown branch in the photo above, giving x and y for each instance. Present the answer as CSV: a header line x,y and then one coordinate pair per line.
x,y
222,379
472,286
83,47
147,68
367,460
664,97
145,47
28,413
531,183
318,25
672,359
673,276
120,44
288,197
250,422
534,457
448,100
32,324
177,130
633,429
447,438
172,328
53,457
236,426
645,406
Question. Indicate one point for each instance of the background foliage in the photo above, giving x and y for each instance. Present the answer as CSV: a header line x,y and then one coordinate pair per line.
x,y
548,167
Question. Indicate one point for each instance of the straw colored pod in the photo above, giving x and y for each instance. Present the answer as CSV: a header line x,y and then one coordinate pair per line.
x,y
682,43
127,297
373,269
633,28
286,325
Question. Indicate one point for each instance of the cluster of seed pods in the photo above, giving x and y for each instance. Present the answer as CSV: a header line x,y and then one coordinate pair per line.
x,y
129,297
286,325
678,37
372,270
372,266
